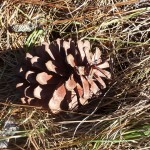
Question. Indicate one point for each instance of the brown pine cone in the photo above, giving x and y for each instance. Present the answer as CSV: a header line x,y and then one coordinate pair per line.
x,y
62,75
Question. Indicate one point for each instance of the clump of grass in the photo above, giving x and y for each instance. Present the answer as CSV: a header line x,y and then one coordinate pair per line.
x,y
119,119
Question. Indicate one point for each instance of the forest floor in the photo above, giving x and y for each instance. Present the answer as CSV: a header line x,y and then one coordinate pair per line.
x,y
121,118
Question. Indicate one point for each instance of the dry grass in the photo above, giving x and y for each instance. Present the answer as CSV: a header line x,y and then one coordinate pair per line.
x,y
121,117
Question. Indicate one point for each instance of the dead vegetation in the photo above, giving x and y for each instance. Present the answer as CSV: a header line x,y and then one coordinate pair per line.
x,y
120,118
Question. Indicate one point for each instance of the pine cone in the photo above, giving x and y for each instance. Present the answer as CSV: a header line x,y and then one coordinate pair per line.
x,y
62,75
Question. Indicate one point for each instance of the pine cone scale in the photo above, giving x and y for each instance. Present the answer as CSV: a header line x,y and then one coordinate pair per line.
x,y
70,84
28,56
79,90
103,65
43,78
93,86
37,62
80,48
44,91
30,76
101,82
28,92
85,85
37,92
57,98
96,58
71,60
